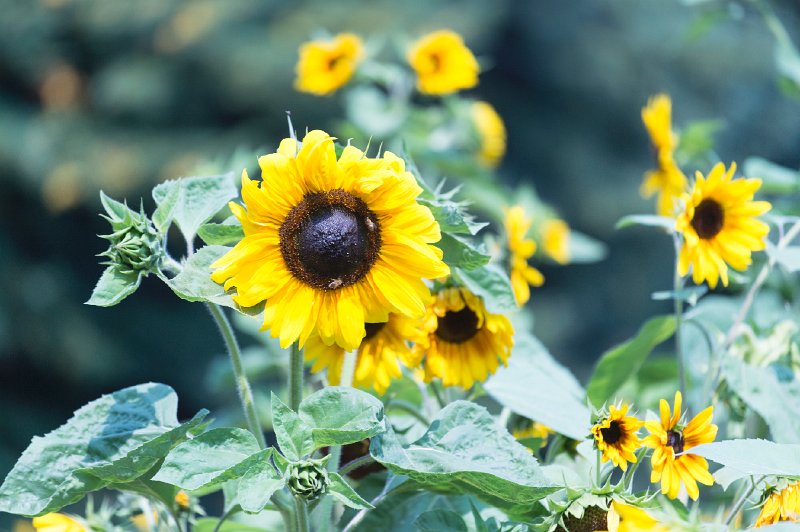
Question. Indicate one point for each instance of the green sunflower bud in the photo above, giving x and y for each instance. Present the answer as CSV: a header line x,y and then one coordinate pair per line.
x,y
134,243
308,479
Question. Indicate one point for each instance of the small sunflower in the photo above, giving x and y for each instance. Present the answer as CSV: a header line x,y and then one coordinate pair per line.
x,y
183,500
325,66
465,343
331,245
56,522
521,249
491,132
625,518
555,240
668,438
667,179
380,354
719,225
536,430
443,63
615,436
783,505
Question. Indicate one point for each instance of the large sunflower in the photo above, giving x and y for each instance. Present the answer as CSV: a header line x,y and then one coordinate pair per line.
x,y
669,438
465,343
666,180
719,225
521,248
330,245
379,356
615,436
326,65
443,63
781,505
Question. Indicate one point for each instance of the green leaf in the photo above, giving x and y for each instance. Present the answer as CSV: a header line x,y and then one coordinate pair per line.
x,y
697,138
194,282
228,232
460,252
340,415
258,484
114,439
753,457
787,60
114,286
492,284
585,249
440,521
342,492
465,451
690,294
788,257
649,220
375,112
294,437
199,199
537,387
209,459
776,179
451,215
617,365
162,216
209,524
115,209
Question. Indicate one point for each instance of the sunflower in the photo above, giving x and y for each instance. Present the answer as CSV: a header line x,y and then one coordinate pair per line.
x,y
719,226
783,505
491,132
615,436
626,518
668,438
667,179
534,430
183,500
379,356
55,522
330,245
555,240
464,343
443,63
521,249
327,65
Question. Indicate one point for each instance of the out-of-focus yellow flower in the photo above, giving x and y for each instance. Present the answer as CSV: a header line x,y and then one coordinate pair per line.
x,y
521,249
667,180
783,505
626,518
326,66
535,430
141,522
443,63
555,240
615,436
55,522
719,225
182,500
491,131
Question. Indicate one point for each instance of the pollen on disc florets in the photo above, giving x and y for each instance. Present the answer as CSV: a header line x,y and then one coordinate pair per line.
x,y
134,245
330,239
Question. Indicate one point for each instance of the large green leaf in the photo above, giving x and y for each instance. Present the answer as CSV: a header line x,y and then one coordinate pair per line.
x,y
341,491
340,415
492,284
440,521
211,524
194,282
460,252
258,483
649,220
534,385
754,457
776,179
465,451
114,286
623,361
228,232
114,439
294,437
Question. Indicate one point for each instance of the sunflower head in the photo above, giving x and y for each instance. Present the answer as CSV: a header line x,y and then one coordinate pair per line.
x,y
615,436
331,244
491,133
521,248
325,66
443,63
134,243
719,225
780,505
56,522
308,479
555,240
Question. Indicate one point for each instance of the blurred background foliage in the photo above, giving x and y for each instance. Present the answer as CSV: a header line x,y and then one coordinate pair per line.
x,y
121,95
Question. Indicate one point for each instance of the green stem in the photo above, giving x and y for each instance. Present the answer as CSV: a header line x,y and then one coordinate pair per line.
x,y
627,479
352,465
296,377
438,394
302,514
597,468
678,308
408,408
742,500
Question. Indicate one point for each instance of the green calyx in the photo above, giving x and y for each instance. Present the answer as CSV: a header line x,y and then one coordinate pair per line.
x,y
134,243
308,479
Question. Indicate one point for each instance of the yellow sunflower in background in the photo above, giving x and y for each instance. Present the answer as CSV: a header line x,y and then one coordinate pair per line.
x,y
719,225
615,436
625,518
443,63
667,180
465,343
327,65
555,240
521,249
783,505
330,245
55,522
379,356
491,132
668,438
535,430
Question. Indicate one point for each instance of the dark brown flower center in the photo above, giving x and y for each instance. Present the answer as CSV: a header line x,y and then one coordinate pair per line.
x,y
457,327
372,329
708,219
330,239
334,61
675,440
612,434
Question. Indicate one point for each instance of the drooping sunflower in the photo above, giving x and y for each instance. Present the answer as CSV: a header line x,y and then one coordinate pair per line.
x,y
56,522
781,505
626,518
379,356
719,225
615,436
325,66
443,63
491,133
521,248
670,437
667,180
555,240
331,244
465,343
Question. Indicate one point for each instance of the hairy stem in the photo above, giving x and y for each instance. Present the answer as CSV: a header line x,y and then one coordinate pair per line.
x,y
296,377
678,308
302,514
408,408
737,507
352,465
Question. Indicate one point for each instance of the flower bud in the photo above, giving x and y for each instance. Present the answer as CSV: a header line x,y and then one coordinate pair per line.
x,y
134,245
308,479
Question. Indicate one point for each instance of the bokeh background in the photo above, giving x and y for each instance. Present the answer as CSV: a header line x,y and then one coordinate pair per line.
x,y
121,95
